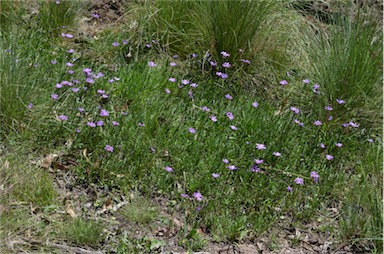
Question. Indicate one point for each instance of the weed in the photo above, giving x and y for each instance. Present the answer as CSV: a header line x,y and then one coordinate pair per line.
x,y
84,232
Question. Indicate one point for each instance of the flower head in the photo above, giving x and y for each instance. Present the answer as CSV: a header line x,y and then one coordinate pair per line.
x,y
295,110
197,195
226,161
168,169
315,176
306,81
54,97
289,188
116,44
283,82
109,148
329,108
104,112
173,64
338,144
215,175
255,104
228,96
299,181
172,80
259,161
230,115
192,130
317,123
339,101
63,117
151,64
260,147
277,154
100,123
226,65
322,146
205,109
231,167
329,157
91,124
233,127
224,54
213,118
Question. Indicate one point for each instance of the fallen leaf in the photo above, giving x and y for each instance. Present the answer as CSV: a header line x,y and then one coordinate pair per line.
x,y
70,211
47,161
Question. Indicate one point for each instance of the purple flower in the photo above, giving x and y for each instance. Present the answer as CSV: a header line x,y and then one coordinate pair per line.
x,y
316,86
100,91
233,127
215,175
194,85
277,154
289,188
70,72
75,89
70,51
329,108
114,123
354,125
228,96
218,73
185,81
151,64
370,140
95,15
58,85
315,176
104,96
192,130
89,80
63,117
53,62
213,118
330,118
111,80
322,146
299,181
232,167
172,80
167,91
116,44
197,195
116,78
224,54
295,110
226,65
283,82
173,64
255,169
255,104
338,144
54,96
100,123
87,71
77,130
109,148
141,124
194,55
81,110
125,42
91,124
329,157
148,45
30,105
230,116
75,81
317,123
260,146
213,64
258,161
226,161
245,61
306,81
184,195
168,169
340,101
104,112
224,75
205,109
345,125
175,56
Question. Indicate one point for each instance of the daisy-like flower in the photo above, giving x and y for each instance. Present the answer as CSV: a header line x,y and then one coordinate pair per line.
x,y
255,169
91,124
245,61
185,81
289,188
283,82
260,147
277,154
226,161
104,112
317,123
370,140
338,144
354,125
53,62
230,115
226,65
232,167
194,85
295,110
89,80
255,104
141,124
306,81
109,148
340,101
58,85
224,75
205,109
173,64
233,127
197,195
330,118
212,63
63,118
173,80
168,169
70,51
215,175
322,146
54,97
299,181
30,105
228,96
101,91
75,89
224,54
116,44
184,195
114,123
329,157
192,130
329,108
81,110
315,176
258,161
213,118
100,123
151,64
125,42
167,91
95,15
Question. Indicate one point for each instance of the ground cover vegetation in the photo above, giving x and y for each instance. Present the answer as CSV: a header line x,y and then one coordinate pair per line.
x,y
238,118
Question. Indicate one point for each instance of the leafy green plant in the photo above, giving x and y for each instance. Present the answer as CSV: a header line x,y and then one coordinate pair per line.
x,y
84,232
140,210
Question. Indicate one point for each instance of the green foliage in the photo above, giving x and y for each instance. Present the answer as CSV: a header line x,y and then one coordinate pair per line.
x,y
84,232
140,210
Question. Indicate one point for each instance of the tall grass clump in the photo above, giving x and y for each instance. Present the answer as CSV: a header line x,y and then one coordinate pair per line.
x,y
346,59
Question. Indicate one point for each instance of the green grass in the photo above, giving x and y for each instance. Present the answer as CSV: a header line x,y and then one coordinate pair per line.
x,y
153,131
